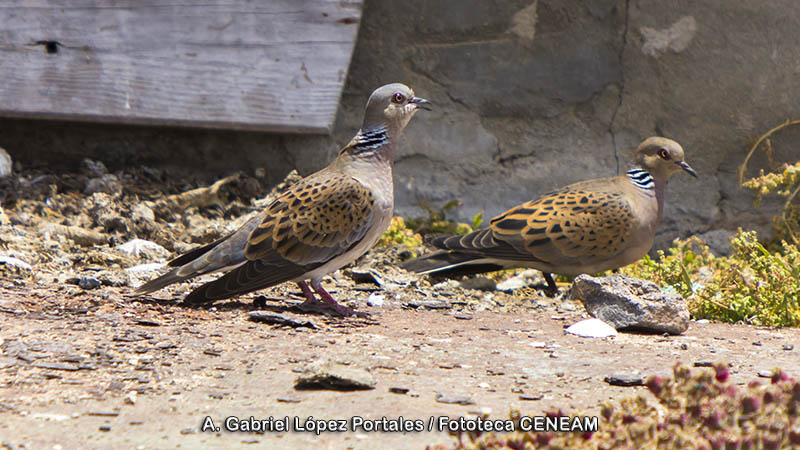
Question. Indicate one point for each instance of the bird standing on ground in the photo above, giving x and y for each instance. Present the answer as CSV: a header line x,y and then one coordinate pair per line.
x,y
318,225
586,227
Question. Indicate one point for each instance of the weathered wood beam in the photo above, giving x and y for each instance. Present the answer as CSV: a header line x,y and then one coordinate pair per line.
x,y
276,65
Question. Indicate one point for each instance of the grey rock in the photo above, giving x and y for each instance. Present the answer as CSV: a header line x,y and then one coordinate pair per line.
x,y
478,283
719,241
88,283
334,376
624,379
429,303
107,184
142,213
277,319
630,303
366,275
454,399
6,165
93,168
523,279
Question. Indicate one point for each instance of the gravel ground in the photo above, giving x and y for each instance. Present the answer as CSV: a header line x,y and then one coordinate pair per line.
x,y
86,364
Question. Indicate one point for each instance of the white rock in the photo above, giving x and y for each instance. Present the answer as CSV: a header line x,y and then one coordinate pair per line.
x,y
15,263
446,285
137,247
143,213
5,163
594,328
130,399
526,278
376,299
144,268
510,284
49,416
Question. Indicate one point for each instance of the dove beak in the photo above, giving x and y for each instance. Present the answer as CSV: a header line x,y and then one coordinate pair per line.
x,y
421,103
687,168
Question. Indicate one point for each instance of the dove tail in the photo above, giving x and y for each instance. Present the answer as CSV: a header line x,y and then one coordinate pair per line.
x,y
160,282
451,264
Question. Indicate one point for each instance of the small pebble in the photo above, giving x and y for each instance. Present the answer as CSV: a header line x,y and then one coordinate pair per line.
x,y
624,379
88,283
103,413
260,302
703,364
757,343
453,399
788,347
375,299
130,399
105,428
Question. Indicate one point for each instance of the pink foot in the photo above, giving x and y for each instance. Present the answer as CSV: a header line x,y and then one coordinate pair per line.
x,y
330,303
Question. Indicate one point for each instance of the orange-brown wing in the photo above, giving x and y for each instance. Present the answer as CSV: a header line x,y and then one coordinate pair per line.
x,y
314,221
567,224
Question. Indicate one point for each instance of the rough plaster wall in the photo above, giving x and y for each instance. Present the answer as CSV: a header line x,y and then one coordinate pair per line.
x,y
530,95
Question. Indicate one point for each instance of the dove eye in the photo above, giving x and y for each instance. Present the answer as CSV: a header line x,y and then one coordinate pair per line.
x,y
398,97
663,153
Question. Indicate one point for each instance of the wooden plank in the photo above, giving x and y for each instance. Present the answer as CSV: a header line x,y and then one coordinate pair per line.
x,y
269,65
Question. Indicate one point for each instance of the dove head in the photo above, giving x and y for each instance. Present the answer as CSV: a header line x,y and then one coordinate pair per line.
x,y
392,106
661,157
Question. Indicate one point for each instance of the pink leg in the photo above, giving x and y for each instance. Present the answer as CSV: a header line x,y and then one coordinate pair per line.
x,y
331,303
310,299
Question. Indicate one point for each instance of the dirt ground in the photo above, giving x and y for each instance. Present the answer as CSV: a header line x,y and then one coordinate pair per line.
x,y
86,364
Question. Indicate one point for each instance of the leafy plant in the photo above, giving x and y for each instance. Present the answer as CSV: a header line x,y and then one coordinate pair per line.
x,y
784,182
399,234
753,285
437,223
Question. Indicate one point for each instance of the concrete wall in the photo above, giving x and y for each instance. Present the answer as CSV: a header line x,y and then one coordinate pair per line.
x,y
530,95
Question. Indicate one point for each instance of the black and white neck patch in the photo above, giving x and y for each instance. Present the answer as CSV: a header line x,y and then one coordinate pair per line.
x,y
370,140
641,178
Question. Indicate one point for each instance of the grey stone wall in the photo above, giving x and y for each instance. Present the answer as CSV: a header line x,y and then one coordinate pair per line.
x,y
530,95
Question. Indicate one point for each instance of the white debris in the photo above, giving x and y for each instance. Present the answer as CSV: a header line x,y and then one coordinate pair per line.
x,y
15,263
141,247
375,299
594,328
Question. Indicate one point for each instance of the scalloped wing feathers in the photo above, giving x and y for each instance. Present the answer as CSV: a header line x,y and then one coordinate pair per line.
x,y
567,225
316,220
